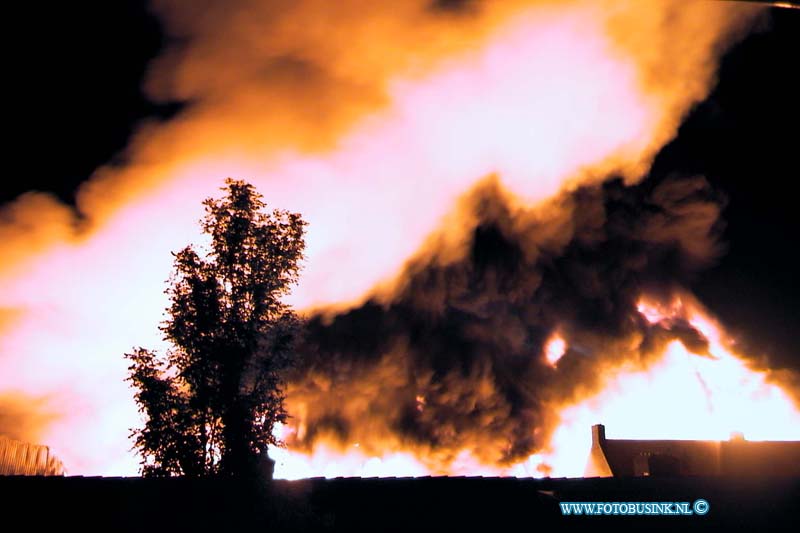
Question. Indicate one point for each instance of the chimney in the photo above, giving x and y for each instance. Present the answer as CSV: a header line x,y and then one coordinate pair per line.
x,y
598,462
598,435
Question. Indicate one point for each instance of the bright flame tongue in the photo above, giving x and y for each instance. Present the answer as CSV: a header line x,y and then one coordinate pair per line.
x,y
680,395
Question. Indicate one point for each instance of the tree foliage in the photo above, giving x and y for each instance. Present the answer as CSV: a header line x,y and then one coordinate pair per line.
x,y
212,400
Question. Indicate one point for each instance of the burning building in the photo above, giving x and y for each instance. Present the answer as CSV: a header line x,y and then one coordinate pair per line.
x,y
734,457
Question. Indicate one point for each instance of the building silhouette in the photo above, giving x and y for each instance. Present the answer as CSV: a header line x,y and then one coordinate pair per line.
x,y
734,457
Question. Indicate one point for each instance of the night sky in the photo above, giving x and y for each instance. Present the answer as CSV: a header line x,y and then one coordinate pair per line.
x,y
75,100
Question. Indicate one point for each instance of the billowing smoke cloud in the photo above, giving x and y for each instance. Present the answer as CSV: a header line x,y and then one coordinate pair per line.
x,y
370,118
25,418
454,360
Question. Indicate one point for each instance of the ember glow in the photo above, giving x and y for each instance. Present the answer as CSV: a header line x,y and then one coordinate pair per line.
x,y
554,349
380,142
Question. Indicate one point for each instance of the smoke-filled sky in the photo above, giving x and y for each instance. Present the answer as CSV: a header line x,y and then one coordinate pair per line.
x,y
377,121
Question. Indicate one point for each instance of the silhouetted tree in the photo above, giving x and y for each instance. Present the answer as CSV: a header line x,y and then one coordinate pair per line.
x,y
212,400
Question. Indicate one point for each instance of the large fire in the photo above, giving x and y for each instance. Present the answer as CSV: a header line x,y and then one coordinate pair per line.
x,y
373,119
681,393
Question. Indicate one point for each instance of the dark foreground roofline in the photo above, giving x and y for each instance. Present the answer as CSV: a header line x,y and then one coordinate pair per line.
x,y
387,504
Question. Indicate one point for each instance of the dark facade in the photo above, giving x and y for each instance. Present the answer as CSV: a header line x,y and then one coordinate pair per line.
x,y
735,457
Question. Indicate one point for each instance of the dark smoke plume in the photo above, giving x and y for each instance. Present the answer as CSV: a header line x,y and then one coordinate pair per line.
x,y
453,359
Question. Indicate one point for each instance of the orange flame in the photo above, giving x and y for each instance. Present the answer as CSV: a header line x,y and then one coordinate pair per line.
x,y
682,395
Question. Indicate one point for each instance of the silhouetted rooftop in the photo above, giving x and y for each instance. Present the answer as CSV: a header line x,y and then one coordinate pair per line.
x,y
735,457
388,504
